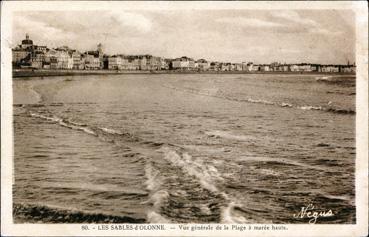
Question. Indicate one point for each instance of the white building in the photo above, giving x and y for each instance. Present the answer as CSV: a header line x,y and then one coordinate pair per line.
x,y
92,62
183,63
294,68
238,67
76,57
59,59
305,68
63,60
330,68
250,66
115,63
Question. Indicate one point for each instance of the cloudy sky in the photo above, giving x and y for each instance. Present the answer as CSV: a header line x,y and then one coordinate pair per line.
x,y
317,36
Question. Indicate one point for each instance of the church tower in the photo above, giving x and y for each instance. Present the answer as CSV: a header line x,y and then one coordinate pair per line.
x,y
27,42
101,55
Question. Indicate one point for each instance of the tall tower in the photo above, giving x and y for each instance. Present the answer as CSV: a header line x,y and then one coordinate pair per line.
x,y
26,43
99,49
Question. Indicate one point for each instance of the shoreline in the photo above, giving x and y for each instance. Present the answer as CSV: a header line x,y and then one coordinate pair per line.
x,y
20,73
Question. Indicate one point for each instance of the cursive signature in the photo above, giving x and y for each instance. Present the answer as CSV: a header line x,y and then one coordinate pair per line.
x,y
309,212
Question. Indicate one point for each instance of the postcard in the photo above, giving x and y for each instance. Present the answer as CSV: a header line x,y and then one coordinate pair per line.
x,y
184,118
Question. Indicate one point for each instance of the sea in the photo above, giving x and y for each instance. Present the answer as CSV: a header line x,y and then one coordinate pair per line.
x,y
184,148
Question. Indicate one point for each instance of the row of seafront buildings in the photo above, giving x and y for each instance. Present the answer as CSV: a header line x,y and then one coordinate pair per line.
x,y
28,55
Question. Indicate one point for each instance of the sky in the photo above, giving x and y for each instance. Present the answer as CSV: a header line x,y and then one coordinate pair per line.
x,y
259,36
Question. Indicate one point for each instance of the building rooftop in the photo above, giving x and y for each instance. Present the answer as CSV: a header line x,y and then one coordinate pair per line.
x,y
27,40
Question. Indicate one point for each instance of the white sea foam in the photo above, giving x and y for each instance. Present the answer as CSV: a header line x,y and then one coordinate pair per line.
x,y
227,217
54,119
154,217
345,198
157,199
286,105
153,182
205,209
269,172
260,101
207,175
309,107
265,102
228,135
158,194
71,126
77,124
111,131
63,123
279,160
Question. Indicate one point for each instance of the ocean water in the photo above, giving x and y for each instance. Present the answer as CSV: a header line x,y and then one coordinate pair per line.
x,y
189,148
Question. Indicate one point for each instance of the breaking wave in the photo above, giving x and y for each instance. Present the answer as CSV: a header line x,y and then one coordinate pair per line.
x,y
111,131
277,160
262,101
207,175
228,217
153,181
209,178
101,132
328,109
227,135
346,80
309,107
158,194
154,217
65,123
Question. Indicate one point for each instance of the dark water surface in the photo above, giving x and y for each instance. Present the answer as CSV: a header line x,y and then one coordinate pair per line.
x,y
184,148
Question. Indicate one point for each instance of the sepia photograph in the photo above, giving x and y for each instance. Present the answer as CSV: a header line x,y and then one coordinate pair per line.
x,y
171,115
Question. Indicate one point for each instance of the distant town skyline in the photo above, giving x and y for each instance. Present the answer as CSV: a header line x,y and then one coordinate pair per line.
x,y
260,36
